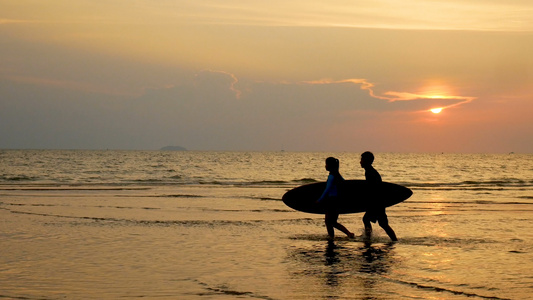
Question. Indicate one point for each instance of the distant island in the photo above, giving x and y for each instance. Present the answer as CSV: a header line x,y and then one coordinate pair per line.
x,y
173,148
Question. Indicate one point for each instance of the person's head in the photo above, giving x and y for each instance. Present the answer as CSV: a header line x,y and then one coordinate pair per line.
x,y
367,158
332,164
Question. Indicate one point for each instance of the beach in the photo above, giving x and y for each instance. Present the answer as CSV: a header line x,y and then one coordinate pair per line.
x,y
211,225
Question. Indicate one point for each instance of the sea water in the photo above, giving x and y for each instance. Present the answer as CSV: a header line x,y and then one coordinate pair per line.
x,y
211,225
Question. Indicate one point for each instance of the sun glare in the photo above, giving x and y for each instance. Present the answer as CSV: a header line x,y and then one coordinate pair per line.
x,y
436,110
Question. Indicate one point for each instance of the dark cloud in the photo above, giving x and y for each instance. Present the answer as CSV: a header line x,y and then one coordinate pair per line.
x,y
212,110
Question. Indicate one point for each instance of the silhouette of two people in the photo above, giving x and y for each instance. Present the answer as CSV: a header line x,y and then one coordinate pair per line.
x,y
330,199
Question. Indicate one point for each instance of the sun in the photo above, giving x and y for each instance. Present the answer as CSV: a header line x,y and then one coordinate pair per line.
x,y
436,110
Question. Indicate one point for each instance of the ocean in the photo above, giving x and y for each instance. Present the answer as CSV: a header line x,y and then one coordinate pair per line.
x,y
211,225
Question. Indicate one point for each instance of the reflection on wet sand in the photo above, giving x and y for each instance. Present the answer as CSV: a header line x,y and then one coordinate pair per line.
x,y
341,266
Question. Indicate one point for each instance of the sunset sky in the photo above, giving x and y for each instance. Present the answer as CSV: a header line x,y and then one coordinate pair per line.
x,y
339,75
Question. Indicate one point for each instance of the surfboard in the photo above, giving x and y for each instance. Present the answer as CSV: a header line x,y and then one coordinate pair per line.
x,y
354,196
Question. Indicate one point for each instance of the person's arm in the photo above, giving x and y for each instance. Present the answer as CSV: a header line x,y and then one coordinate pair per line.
x,y
329,184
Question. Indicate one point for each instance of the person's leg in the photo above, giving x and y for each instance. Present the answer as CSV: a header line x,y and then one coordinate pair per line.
x,y
330,221
384,223
341,227
368,225
390,232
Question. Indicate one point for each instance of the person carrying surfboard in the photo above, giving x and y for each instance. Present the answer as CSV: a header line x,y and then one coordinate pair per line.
x,y
376,212
330,197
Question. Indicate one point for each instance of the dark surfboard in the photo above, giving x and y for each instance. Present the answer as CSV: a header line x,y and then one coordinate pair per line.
x,y
354,196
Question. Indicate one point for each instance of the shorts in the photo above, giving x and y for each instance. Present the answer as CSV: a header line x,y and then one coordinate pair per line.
x,y
331,205
376,214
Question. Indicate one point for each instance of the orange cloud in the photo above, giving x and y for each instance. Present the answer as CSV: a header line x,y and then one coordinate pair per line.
x,y
393,96
234,82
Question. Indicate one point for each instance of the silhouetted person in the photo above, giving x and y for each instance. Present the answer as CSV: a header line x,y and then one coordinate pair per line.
x,y
330,198
376,210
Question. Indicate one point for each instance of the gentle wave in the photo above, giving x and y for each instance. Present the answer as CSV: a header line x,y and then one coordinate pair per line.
x,y
476,202
491,184
443,289
184,223
180,196
18,178
225,291
179,180
54,187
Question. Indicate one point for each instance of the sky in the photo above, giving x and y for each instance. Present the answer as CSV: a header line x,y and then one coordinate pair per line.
x,y
247,75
